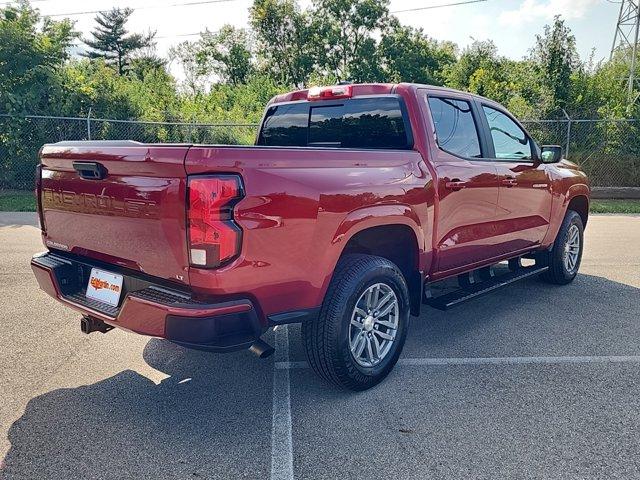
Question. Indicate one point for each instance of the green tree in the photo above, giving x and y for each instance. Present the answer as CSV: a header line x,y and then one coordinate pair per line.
x,y
478,55
112,42
32,50
285,40
411,56
91,84
186,54
142,64
227,54
556,59
346,31
522,92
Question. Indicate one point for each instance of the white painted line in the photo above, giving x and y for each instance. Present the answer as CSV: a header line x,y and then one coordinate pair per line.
x,y
281,439
517,360
286,365
290,365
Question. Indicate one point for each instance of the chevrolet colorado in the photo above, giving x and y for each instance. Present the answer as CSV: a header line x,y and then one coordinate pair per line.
x,y
353,203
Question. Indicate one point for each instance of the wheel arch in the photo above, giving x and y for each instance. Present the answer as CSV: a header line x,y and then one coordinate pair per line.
x,y
576,199
580,204
399,241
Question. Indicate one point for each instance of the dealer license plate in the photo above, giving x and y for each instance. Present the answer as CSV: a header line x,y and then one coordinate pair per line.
x,y
104,286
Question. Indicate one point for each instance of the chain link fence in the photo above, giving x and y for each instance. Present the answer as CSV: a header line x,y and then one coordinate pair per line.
x,y
22,136
608,150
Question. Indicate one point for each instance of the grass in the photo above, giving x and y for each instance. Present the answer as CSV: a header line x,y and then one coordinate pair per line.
x,y
615,206
26,202
17,202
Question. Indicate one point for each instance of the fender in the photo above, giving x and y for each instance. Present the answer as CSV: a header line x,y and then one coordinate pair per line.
x,y
559,209
376,216
575,190
362,219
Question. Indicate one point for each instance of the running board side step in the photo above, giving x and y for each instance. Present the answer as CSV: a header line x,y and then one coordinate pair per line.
x,y
446,301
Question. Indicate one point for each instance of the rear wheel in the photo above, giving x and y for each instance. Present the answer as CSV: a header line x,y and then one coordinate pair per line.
x,y
360,331
566,254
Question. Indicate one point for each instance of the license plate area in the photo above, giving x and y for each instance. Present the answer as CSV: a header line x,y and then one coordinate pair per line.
x,y
104,286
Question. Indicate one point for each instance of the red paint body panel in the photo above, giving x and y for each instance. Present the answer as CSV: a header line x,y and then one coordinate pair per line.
x,y
134,218
300,208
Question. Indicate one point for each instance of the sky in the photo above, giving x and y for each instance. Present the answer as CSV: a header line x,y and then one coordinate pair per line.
x,y
511,24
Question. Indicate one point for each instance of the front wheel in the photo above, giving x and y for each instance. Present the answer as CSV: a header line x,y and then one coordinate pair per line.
x,y
566,254
360,331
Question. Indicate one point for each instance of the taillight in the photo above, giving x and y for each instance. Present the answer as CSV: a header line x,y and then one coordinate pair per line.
x,y
328,93
214,238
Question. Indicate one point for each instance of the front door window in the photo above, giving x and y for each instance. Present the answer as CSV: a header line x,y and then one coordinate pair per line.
x,y
509,140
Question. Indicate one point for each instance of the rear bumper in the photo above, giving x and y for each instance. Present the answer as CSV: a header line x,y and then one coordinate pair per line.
x,y
151,309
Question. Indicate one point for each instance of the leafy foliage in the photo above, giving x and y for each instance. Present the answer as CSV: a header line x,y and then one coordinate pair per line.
x,y
556,59
411,56
112,42
227,54
32,53
224,56
229,75
346,30
286,40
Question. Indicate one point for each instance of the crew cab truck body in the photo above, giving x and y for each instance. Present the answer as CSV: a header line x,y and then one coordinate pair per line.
x,y
353,201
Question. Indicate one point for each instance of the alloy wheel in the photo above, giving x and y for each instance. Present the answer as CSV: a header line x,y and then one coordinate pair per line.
x,y
572,249
374,325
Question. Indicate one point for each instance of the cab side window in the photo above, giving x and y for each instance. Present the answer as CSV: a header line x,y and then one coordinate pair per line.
x,y
509,140
455,127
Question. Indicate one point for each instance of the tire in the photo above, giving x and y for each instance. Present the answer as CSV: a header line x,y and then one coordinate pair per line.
x,y
561,271
329,339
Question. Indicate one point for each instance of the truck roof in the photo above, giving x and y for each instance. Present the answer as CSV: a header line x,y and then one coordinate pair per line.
x,y
361,89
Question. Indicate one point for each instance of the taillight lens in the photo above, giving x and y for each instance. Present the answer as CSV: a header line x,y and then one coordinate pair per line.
x,y
214,238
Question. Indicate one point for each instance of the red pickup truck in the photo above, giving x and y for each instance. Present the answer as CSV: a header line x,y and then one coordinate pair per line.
x,y
353,203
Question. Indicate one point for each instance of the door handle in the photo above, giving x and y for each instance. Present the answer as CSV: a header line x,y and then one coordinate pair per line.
x,y
90,170
455,185
509,182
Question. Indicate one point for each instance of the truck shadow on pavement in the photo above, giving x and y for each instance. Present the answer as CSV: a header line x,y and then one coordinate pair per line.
x,y
552,421
212,417
591,316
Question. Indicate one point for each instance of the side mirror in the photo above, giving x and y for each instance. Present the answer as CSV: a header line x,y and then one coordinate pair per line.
x,y
551,154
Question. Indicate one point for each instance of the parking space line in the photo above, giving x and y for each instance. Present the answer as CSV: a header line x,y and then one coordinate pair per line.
x,y
281,438
286,365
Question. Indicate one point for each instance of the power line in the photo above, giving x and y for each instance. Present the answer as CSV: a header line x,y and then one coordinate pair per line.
x,y
438,6
394,11
146,7
177,35
201,2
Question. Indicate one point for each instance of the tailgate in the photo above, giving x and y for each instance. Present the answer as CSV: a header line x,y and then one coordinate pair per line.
x,y
118,202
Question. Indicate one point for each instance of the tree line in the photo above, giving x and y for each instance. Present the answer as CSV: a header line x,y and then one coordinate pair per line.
x,y
46,67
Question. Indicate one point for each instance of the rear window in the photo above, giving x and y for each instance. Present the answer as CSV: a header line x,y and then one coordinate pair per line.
x,y
456,130
376,123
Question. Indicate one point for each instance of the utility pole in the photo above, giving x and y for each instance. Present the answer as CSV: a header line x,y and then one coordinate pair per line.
x,y
625,39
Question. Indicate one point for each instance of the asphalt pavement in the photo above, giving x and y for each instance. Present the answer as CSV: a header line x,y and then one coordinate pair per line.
x,y
531,381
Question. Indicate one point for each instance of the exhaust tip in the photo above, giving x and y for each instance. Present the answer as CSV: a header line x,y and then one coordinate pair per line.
x,y
85,325
261,349
90,324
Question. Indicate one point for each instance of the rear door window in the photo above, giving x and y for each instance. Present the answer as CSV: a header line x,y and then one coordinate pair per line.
x,y
456,130
368,123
